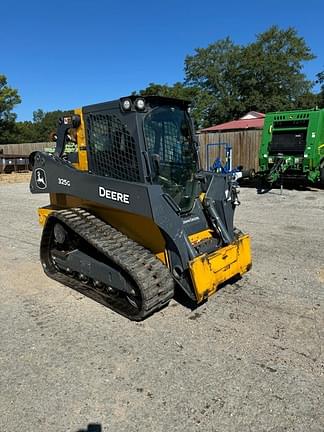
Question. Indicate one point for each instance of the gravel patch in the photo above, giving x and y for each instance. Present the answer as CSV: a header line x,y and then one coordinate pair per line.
x,y
250,359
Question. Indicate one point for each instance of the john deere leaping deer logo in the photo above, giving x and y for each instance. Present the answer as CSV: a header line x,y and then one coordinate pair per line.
x,y
40,177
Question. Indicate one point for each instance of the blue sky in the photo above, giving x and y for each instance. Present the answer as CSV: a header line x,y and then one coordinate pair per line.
x,y
65,54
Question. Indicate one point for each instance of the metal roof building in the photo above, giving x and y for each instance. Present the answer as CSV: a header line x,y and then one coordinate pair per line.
x,y
251,120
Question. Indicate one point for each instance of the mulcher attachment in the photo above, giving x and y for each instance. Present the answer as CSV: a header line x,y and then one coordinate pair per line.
x,y
87,254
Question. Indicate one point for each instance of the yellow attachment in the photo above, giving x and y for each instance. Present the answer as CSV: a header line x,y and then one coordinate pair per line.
x,y
202,196
208,271
43,213
202,235
82,165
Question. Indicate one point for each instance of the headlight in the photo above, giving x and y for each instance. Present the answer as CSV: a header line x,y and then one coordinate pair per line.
x,y
126,104
140,104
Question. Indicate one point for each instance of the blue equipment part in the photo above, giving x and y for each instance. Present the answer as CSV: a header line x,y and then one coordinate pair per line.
x,y
218,166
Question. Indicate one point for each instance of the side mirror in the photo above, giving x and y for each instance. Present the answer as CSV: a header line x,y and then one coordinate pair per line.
x,y
156,163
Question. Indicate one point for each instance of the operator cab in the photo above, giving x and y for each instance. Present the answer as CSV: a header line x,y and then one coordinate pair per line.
x,y
145,139
170,144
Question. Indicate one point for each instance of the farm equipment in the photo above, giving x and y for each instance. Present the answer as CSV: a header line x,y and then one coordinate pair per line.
x,y
226,166
131,216
292,147
13,163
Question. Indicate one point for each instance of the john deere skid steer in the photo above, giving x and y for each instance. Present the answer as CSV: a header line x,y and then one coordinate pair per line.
x,y
131,216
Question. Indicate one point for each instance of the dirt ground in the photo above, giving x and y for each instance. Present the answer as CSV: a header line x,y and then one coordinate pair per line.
x,y
250,359
15,177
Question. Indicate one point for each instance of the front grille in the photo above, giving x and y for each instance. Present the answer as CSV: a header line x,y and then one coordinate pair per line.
x,y
288,142
111,148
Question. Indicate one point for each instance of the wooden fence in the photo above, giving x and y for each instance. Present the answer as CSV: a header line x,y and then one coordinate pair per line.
x,y
23,149
245,145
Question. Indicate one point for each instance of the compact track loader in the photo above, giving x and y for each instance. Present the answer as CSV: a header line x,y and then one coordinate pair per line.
x,y
131,215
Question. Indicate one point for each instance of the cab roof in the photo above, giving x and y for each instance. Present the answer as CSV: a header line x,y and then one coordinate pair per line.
x,y
150,100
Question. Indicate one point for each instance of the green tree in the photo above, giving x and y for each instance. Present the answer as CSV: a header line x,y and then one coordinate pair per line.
x,y
264,75
273,75
214,71
9,98
24,132
307,100
38,116
41,129
320,80
45,123
177,90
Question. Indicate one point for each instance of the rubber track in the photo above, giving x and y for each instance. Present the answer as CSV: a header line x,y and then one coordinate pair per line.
x,y
150,275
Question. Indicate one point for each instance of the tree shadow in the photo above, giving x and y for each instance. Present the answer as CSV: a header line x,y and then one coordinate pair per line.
x,y
92,427
288,184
